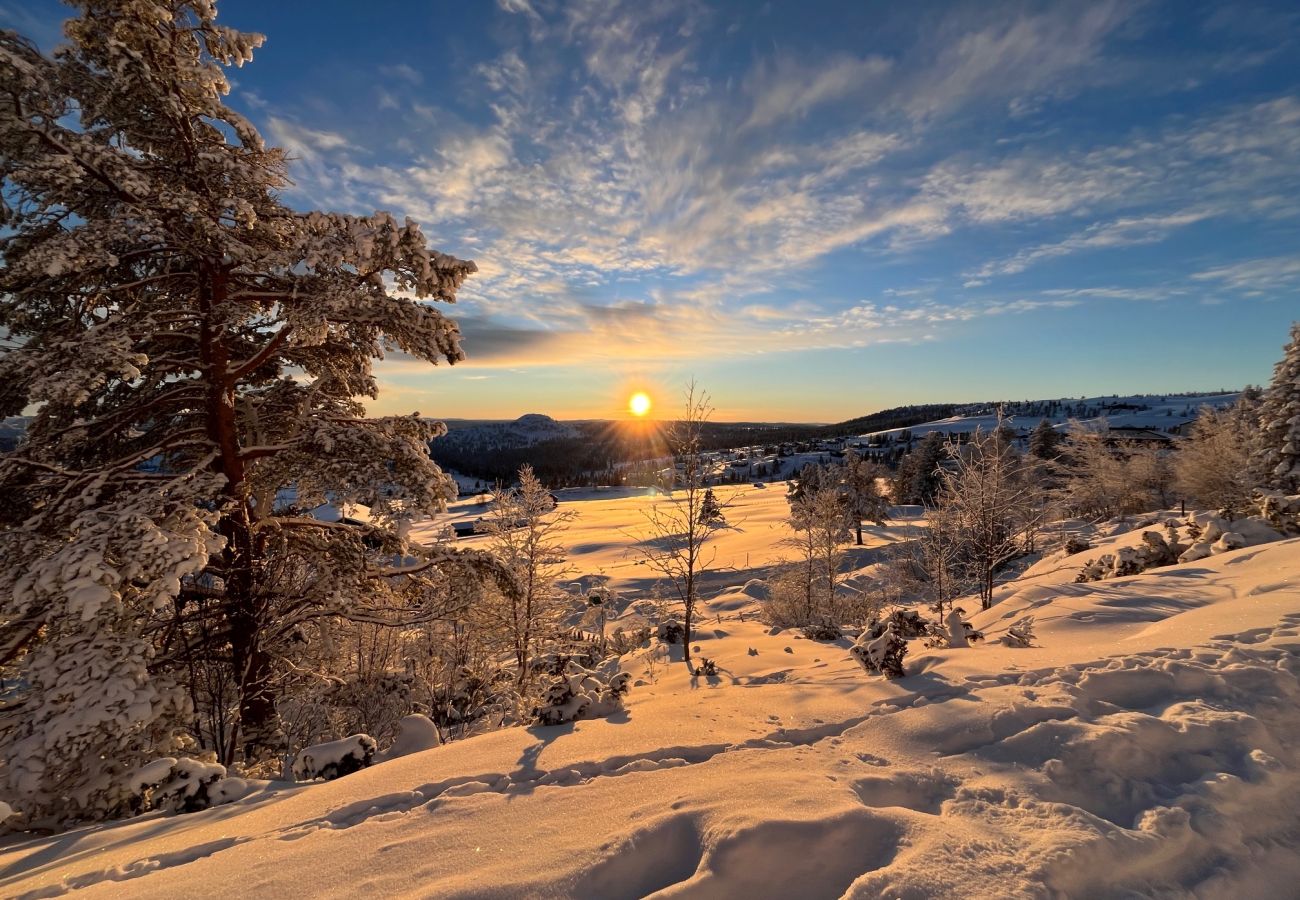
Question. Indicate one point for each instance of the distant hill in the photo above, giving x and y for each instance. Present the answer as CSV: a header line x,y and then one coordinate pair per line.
x,y
898,417
1162,412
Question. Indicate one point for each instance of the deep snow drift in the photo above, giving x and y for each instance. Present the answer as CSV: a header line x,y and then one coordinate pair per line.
x,y
1147,745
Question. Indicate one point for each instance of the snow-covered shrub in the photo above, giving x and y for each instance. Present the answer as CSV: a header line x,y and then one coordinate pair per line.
x,y
183,785
1279,510
577,647
1227,542
1021,633
623,641
706,668
88,708
1124,561
671,631
1075,544
909,623
582,694
756,588
822,631
957,630
880,650
1158,550
335,759
1214,534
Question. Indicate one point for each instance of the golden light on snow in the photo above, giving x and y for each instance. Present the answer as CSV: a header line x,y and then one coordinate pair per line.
x,y
639,403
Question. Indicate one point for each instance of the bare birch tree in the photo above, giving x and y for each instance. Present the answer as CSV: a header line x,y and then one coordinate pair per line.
x,y
678,543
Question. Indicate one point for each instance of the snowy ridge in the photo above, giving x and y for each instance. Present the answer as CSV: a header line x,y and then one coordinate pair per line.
x,y
1156,411
1148,743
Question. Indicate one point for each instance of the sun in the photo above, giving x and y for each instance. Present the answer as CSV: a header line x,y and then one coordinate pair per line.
x,y
639,403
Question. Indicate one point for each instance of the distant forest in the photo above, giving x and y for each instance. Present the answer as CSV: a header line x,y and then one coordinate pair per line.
x,y
601,451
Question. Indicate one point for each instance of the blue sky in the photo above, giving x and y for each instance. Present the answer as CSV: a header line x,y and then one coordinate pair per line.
x,y
816,209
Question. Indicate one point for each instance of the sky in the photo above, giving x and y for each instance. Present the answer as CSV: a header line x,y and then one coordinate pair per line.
x,y
815,209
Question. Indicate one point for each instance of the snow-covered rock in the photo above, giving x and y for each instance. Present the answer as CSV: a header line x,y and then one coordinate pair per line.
x,y
414,734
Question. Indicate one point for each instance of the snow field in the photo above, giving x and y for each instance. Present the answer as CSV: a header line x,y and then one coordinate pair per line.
x,y
1147,745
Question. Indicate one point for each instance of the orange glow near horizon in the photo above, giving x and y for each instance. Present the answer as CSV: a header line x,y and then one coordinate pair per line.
x,y
639,404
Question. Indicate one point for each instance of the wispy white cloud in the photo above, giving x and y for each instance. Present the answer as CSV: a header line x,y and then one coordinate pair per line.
x,y
1015,55
1256,277
623,200
403,72
1123,232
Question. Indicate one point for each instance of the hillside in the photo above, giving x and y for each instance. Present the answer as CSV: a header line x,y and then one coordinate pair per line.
x,y
1157,411
1147,745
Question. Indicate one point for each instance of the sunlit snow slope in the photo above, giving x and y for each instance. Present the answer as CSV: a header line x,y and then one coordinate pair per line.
x,y
1148,746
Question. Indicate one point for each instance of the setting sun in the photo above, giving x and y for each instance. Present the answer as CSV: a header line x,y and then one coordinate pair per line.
x,y
639,403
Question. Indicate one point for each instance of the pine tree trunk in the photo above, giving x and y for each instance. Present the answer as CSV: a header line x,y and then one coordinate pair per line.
x,y
259,724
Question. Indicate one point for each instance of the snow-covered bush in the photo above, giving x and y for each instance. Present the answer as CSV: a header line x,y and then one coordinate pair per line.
x,y
883,644
335,759
880,650
1212,535
1279,510
1020,633
1200,536
822,631
624,641
183,785
582,694
671,631
89,709
706,668
1075,544
957,630
909,623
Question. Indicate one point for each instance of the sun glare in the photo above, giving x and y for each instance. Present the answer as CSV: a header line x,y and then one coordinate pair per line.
x,y
639,403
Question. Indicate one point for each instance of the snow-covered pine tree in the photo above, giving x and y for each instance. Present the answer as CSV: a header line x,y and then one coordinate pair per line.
x,y
803,593
1276,458
862,488
1044,441
917,479
190,346
711,510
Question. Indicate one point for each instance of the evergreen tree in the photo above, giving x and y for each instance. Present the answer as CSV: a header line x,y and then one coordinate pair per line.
x,y
711,510
1276,458
192,347
1044,441
917,479
807,480
862,491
